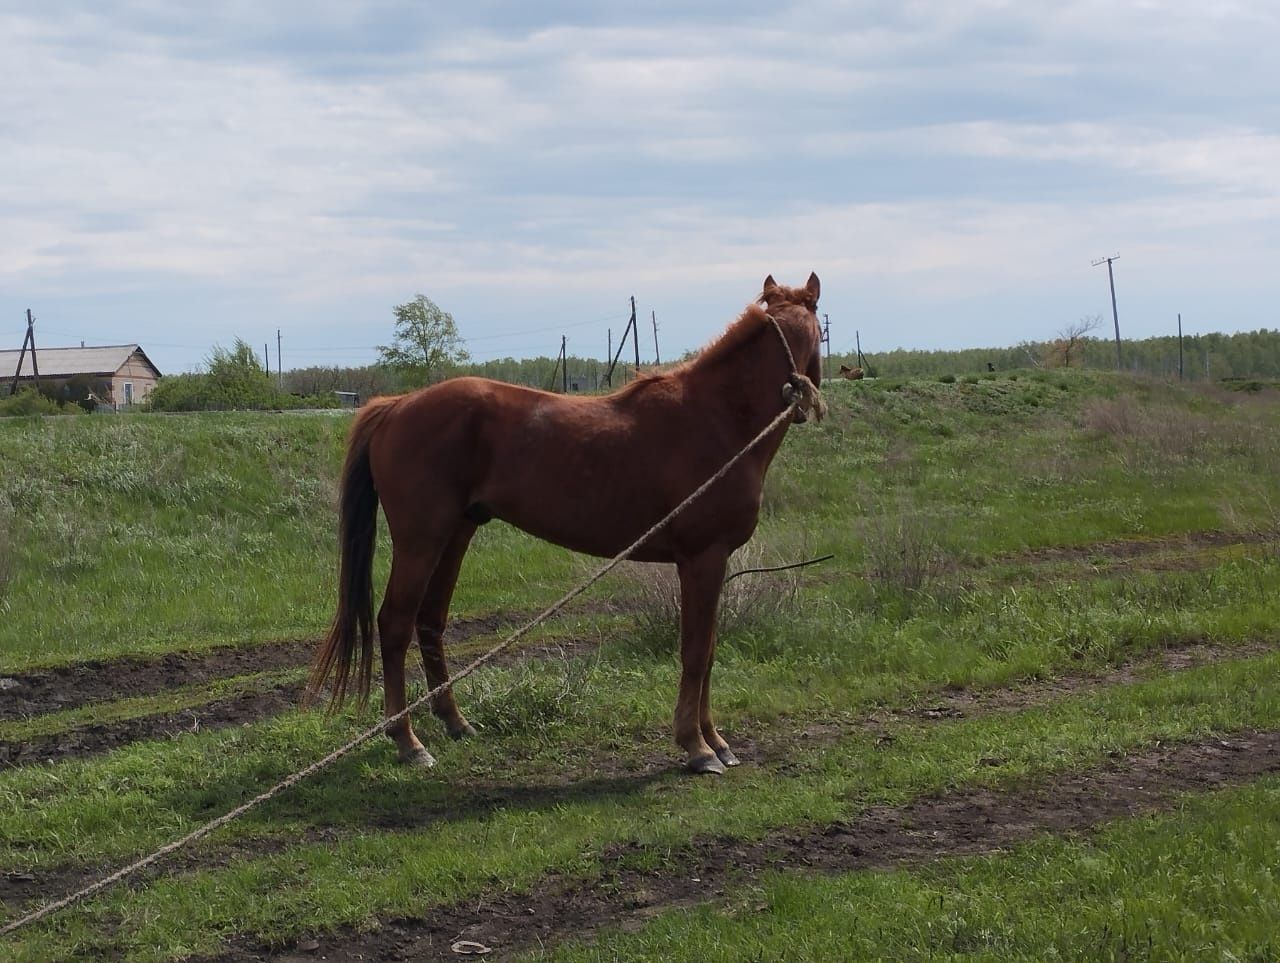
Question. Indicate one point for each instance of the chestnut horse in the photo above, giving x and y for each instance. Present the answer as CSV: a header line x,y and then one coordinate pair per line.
x,y
589,473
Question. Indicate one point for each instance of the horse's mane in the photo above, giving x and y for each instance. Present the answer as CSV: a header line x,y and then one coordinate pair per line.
x,y
753,319
738,333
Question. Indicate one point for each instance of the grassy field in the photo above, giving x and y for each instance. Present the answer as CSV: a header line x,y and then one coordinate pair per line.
x,y
1037,576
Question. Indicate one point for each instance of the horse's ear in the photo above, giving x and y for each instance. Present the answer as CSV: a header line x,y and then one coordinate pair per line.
x,y
769,287
814,287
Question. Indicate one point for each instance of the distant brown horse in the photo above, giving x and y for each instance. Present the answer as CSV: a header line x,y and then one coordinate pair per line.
x,y
588,473
853,374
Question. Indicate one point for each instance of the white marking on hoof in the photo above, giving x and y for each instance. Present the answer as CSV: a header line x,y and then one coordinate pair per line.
x,y
706,764
726,756
418,759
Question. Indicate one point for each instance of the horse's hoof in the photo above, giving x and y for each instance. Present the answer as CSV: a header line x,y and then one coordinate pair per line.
x,y
709,763
463,731
726,756
418,759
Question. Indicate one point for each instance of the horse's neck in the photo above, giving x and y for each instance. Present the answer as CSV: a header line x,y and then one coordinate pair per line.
x,y
749,378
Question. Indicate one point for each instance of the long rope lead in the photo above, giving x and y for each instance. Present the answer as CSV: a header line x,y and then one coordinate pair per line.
x,y
376,730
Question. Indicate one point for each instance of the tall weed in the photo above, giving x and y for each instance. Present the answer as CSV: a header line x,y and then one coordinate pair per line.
x,y
8,548
749,603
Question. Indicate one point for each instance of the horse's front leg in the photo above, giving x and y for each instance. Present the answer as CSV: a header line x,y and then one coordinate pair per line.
x,y
709,730
701,579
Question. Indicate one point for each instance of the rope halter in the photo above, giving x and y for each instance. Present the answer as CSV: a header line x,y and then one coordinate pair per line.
x,y
799,391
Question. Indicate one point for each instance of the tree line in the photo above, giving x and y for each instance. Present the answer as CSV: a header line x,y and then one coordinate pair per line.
x,y
1206,357
426,348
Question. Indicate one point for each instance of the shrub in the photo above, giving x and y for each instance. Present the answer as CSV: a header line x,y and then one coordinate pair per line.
x,y
530,698
902,553
948,379
233,380
28,402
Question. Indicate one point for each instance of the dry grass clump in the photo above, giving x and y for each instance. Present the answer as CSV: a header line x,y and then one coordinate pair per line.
x,y
749,602
8,549
903,553
1170,430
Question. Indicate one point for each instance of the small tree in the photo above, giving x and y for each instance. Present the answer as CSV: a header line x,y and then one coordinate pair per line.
x,y
426,341
1071,341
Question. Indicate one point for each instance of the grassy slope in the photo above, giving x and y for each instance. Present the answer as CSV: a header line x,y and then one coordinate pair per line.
x,y
145,534
958,473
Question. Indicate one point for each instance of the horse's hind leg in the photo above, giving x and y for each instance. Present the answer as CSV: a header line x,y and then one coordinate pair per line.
x,y
700,581
410,573
432,615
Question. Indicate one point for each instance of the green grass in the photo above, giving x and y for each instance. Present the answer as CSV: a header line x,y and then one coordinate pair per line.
x,y
141,797
159,533
172,700
155,534
121,519
1196,884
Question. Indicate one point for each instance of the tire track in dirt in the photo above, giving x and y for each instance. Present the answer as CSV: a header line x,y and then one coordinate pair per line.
x,y
79,684
59,688
619,781
85,740
99,737
1132,549
968,822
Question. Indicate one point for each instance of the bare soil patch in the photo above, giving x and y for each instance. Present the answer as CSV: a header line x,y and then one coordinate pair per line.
x,y
970,822
103,737
56,689
1129,549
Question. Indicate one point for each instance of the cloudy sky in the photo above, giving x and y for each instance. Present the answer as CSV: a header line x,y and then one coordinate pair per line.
x,y
181,174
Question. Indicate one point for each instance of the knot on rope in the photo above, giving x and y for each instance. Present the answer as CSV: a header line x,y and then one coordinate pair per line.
x,y
804,394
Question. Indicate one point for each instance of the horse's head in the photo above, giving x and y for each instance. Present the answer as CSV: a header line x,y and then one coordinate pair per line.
x,y
796,310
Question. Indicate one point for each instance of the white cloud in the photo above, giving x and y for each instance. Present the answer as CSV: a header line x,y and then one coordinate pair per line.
x,y
353,156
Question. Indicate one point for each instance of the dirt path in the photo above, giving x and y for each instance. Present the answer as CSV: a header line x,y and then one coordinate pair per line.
x,y
250,707
1134,549
27,694
241,709
479,798
963,823
105,736
23,695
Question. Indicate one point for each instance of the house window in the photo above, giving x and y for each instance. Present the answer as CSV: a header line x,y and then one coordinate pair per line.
x,y
128,392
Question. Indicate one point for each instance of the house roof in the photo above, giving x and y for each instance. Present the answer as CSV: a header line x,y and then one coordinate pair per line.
x,y
65,362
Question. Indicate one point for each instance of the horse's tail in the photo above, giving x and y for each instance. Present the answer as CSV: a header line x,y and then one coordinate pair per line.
x,y
352,629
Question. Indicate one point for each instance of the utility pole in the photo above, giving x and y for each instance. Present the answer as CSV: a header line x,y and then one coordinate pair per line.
x,y
564,366
29,338
1115,315
657,358
632,330
826,339
635,334
266,359
862,362
1179,345
279,370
